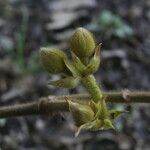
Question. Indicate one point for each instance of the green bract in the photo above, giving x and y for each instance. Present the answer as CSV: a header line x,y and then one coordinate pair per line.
x,y
82,43
69,82
92,67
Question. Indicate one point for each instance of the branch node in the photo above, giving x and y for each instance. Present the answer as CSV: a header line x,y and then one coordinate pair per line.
x,y
126,95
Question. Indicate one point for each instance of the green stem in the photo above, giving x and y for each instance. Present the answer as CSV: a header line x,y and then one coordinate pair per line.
x,y
104,109
90,84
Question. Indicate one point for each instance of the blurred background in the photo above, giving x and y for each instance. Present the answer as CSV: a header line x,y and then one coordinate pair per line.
x,y
123,26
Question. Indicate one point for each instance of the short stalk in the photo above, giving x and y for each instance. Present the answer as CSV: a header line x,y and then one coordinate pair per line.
x,y
91,86
84,60
104,109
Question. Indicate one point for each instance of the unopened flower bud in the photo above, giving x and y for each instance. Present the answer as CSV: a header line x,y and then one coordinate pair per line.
x,y
81,113
82,43
53,60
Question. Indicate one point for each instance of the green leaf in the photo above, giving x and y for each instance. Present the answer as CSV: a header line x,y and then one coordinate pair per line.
x,y
116,113
114,24
108,124
69,82
123,31
106,19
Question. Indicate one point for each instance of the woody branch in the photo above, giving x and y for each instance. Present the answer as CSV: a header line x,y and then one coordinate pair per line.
x,y
54,104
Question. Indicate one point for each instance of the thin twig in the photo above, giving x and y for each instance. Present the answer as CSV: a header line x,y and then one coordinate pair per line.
x,y
52,104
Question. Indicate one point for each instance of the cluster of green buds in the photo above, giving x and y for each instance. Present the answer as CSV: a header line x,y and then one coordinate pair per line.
x,y
85,61
92,116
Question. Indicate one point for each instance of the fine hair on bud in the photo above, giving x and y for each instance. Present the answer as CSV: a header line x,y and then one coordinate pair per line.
x,y
52,60
82,43
81,113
